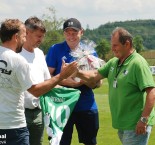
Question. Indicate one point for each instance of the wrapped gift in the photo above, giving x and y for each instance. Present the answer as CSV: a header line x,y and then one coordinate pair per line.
x,y
84,54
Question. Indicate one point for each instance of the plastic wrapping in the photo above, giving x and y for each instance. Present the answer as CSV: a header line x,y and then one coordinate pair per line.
x,y
84,54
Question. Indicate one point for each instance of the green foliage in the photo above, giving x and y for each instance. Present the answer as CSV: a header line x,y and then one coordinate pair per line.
x,y
51,37
50,20
138,43
143,28
53,27
103,48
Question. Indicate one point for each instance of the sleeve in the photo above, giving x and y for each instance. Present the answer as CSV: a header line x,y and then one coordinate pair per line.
x,y
104,71
142,72
24,75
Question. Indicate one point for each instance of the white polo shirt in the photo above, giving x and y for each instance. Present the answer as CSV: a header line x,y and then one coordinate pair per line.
x,y
37,61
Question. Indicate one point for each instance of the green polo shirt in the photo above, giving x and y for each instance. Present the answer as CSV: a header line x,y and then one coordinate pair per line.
x,y
127,85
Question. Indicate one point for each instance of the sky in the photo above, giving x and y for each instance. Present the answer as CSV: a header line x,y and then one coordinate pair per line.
x,y
92,13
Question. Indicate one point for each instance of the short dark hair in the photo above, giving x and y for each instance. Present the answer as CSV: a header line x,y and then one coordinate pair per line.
x,y
8,28
124,35
35,23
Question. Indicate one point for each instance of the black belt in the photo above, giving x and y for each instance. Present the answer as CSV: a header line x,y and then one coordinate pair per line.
x,y
32,109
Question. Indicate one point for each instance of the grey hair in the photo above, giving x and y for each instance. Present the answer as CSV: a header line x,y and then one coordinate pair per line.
x,y
124,35
35,23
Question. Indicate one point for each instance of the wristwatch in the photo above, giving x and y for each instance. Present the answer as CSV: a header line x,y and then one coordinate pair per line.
x,y
144,119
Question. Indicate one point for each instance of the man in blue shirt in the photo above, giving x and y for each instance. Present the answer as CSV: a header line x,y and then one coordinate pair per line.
x,y
85,114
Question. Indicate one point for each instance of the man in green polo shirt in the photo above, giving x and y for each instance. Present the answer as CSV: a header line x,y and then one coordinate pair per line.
x,y
131,89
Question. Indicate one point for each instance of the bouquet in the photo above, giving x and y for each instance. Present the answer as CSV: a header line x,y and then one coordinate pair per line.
x,y
86,56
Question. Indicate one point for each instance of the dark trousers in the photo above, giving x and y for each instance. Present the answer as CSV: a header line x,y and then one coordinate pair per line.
x,y
87,125
17,136
35,125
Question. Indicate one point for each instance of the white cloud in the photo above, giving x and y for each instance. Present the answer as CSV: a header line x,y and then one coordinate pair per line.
x,y
91,12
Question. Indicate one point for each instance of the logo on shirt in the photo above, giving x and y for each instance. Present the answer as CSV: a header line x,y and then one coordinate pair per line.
x,y
4,70
5,82
112,69
64,58
125,72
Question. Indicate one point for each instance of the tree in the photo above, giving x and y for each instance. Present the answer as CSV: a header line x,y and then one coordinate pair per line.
x,y
138,43
53,27
103,48
52,37
87,27
50,20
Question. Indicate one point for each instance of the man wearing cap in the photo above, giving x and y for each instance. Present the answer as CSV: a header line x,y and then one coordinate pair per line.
x,y
85,114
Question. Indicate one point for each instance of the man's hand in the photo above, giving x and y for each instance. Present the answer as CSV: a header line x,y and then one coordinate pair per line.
x,y
141,128
70,82
68,69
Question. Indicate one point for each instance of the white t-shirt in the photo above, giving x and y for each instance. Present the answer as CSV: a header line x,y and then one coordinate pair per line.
x,y
15,77
37,61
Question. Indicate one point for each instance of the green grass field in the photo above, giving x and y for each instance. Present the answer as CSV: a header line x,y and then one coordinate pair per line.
x,y
106,135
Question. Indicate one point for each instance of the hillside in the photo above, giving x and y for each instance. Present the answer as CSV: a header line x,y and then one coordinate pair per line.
x,y
144,28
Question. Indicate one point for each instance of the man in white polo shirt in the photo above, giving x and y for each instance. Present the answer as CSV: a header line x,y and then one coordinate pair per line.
x,y
16,77
35,31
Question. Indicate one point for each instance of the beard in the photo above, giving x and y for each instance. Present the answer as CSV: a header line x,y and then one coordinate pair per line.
x,y
19,48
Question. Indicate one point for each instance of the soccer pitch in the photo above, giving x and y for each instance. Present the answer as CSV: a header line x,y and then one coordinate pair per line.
x,y
106,135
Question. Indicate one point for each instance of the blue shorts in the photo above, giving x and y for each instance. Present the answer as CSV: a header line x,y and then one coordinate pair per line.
x,y
18,136
87,125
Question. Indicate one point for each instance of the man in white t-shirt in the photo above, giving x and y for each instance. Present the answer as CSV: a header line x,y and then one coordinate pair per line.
x,y
35,32
16,76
